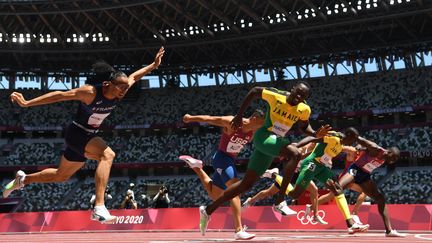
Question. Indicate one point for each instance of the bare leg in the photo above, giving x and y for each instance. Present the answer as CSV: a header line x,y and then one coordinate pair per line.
x,y
325,198
65,170
293,155
272,190
313,189
370,189
234,190
98,150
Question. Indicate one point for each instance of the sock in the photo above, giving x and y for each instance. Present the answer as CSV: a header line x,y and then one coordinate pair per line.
x,y
279,179
343,206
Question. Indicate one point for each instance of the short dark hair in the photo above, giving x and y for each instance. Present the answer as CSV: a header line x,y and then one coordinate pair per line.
x,y
303,83
351,131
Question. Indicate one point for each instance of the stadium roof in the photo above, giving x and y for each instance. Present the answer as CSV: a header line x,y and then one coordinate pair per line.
x,y
69,35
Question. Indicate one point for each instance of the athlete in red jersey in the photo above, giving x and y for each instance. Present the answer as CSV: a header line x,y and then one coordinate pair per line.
x,y
223,160
359,173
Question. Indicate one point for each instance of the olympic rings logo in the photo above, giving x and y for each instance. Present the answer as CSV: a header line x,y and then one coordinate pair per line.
x,y
308,219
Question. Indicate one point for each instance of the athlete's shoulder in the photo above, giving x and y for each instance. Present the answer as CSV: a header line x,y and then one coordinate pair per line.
x,y
304,107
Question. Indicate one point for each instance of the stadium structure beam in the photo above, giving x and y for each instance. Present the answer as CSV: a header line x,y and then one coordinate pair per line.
x,y
146,25
120,23
279,7
420,3
81,10
249,11
95,24
46,22
310,4
167,22
74,25
210,7
179,8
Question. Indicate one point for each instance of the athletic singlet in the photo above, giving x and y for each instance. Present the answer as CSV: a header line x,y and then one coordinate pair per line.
x,y
91,116
369,163
324,152
281,116
232,144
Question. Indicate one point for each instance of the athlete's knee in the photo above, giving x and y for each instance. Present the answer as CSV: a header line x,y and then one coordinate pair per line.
x,y
246,185
291,152
379,198
334,187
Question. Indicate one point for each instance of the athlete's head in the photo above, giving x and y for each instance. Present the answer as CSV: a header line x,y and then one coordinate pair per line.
x,y
299,93
118,84
351,135
392,155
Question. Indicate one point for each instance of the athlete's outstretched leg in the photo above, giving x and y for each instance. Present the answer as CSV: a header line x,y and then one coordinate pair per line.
x,y
293,156
65,170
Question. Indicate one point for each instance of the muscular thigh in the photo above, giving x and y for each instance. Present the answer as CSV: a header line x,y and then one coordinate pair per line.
x,y
96,148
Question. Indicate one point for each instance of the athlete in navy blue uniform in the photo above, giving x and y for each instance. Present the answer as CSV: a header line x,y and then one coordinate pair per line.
x,y
97,102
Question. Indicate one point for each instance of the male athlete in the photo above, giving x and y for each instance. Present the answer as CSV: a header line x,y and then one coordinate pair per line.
x,y
359,173
223,160
284,110
96,103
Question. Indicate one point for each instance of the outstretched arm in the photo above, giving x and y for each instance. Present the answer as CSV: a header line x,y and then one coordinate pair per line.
x,y
84,94
220,121
307,140
137,75
306,128
372,147
254,93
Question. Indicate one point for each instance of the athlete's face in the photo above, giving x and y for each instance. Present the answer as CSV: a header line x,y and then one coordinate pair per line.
x,y
298,94
349,139
119,86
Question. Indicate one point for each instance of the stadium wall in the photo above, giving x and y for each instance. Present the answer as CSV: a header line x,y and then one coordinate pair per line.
x,y
403,217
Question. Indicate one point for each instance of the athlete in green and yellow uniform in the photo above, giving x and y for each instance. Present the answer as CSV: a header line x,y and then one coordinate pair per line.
x,y
318,166
284,109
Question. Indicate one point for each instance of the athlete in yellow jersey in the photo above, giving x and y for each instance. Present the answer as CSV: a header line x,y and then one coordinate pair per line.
x,y
284,109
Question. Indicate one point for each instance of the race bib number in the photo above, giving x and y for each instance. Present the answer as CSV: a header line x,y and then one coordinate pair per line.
x,y
369,167
280,129
96,119
326,160
234,147
311,167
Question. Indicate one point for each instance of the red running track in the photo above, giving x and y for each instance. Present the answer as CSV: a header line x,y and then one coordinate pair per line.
x,y
195,237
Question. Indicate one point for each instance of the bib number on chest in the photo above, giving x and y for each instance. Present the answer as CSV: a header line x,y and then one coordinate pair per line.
x,y
369,167
326,160
280,129
96,119
234,147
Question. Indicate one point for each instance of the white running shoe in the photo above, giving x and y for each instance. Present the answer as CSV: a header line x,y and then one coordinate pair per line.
x,y
204,219
17,183
269,173
356,218
101,214
308,209
319,220
246,204
192,162
394,233
283,209
243,235
358,228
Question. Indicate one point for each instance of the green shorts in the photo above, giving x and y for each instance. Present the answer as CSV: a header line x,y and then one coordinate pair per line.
x,y
311,169
267,146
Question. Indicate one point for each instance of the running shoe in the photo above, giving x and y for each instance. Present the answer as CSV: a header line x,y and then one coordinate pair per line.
x,y
15,184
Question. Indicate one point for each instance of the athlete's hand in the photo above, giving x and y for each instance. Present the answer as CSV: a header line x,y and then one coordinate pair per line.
x,y
159,55
236,122
19,99
187,118
322,131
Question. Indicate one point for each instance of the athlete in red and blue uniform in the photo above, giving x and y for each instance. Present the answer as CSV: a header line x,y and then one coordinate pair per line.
x,y
231,144
360,171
